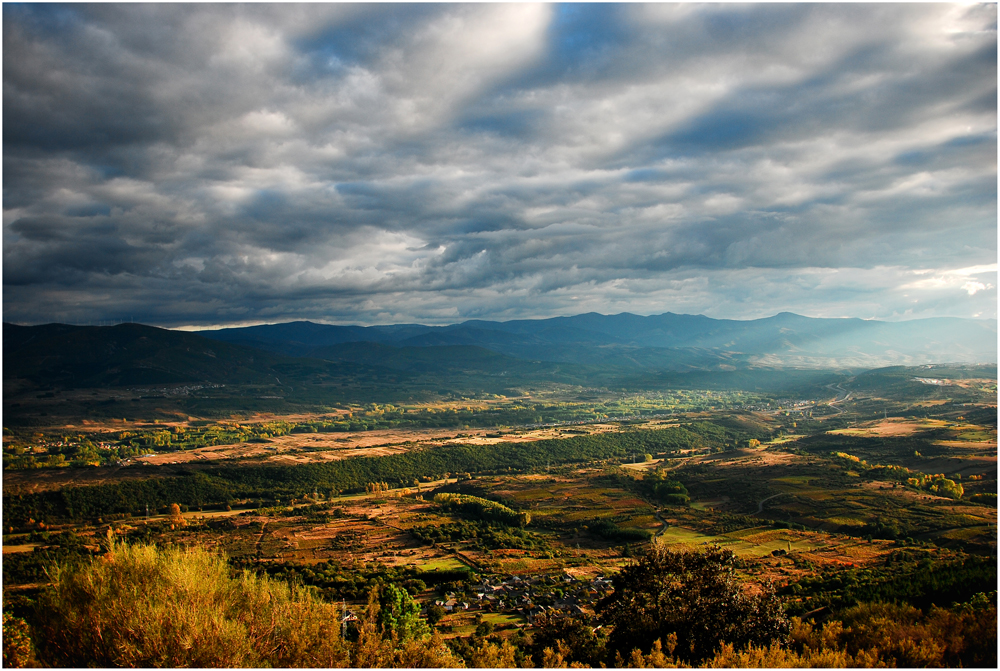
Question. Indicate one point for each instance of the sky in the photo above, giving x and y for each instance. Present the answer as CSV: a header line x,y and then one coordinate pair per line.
x,y
192,165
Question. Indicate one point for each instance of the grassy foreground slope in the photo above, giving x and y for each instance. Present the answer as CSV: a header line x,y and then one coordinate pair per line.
x,y
142,606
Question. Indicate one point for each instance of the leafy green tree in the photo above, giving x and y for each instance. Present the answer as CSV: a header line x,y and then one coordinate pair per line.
x,y
693,595
379,647
947,487
666,490
399,614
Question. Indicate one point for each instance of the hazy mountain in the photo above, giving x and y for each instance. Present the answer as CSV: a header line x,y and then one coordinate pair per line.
x,y
298,338
664,342
571,349
465,359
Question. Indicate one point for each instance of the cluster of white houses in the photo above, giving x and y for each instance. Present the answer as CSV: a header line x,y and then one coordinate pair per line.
x,y
530,596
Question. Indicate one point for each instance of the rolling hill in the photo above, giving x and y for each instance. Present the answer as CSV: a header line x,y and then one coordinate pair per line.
x,y
130,354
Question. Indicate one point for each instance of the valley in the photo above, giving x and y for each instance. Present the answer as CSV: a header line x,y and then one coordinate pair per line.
x,y
500,513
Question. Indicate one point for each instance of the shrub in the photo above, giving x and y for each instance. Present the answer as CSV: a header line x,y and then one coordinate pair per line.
x,y
493,655
142,606
670,492
987,498
907,636
575,640
694,596
17,648
608,530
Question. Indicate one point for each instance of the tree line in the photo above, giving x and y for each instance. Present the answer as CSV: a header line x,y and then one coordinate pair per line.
x,y
220,486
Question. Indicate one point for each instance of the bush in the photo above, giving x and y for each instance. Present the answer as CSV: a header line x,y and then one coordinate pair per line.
x,y
907,636
576,640
670,492
141,606
987,498
608,530
692,596
17,648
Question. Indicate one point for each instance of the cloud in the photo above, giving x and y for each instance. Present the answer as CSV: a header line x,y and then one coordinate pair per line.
x,y
949,280
973,287
363,163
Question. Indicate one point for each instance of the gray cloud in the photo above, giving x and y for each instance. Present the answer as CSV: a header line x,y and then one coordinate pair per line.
x,y
210,164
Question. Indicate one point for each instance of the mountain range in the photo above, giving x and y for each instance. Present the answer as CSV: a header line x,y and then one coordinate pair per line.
x,y
584,349
129,370
658,342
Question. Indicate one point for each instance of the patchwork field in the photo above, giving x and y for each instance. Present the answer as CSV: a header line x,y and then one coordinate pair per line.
x,y
816,503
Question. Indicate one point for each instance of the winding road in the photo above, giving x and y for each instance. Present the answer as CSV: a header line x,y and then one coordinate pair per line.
x,y
832,404
661,521
760,504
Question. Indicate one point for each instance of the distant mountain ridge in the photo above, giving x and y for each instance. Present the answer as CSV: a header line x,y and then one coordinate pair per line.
x,y
57,372
667,342
61,356
579,349
127,354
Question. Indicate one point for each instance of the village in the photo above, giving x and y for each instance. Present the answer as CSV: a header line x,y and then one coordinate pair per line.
x,y
529,596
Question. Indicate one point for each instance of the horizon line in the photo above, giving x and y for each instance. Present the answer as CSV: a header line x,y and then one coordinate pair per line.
x,y
189,328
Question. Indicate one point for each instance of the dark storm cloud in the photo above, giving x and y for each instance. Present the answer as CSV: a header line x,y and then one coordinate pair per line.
x,y
202,164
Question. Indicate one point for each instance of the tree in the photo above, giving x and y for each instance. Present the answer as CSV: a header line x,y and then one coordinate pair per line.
x,y
176,517
944,487
693,595
435,613
494,655
666,490
567,639
399,614
391,641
